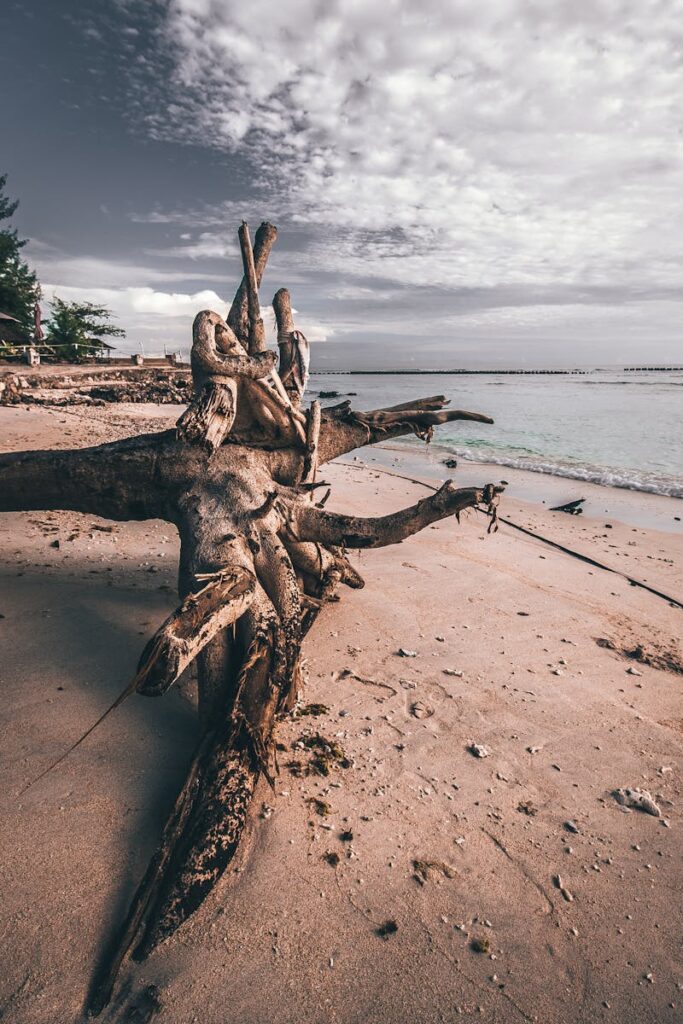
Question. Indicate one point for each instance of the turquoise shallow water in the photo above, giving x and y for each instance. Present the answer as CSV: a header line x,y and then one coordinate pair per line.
x,y
608,427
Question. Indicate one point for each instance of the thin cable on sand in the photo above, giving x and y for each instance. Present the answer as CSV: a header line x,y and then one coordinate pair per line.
x,y
537,536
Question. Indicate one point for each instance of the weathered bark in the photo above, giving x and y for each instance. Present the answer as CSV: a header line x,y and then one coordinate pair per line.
x,y
121,480
238,317
210,415
208,838
220,599
433,402
258,563
217,354
228,774
322,571
312,440
356,532
105,977
220,364
295,352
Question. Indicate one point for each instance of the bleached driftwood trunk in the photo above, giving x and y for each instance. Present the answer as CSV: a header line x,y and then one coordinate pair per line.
x,y
259,558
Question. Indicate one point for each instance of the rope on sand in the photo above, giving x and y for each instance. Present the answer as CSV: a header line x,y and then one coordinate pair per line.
x,y
590,561
537,536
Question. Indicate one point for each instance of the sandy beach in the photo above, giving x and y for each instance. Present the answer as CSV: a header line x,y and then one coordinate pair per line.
x,y
361,896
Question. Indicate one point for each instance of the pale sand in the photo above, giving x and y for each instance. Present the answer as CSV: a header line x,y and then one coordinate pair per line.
x,y
287,937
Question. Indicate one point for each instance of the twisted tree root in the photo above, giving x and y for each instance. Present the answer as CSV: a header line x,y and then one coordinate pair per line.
x,y
258,564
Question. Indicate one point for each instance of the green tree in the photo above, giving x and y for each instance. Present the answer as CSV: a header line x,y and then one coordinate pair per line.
x,y
76,327
19,288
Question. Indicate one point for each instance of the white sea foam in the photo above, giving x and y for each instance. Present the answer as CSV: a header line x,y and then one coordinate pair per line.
x,y
632,480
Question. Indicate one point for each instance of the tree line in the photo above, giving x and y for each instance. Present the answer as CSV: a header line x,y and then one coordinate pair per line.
x,y
72,326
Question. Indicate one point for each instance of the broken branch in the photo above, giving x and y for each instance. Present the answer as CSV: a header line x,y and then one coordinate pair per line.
x,y
355,532
223,598
344,433
257,334
238,317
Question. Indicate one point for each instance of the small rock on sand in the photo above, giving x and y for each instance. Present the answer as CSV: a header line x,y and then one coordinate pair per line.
x,y
478,750
559,884
425,870
639,799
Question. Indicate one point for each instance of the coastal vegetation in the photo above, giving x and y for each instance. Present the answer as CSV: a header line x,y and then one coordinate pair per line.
x,y
19,288
79,328
76,329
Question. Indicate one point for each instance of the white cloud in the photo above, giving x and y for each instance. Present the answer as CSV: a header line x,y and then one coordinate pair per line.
x,y
162,318
148,313
207,245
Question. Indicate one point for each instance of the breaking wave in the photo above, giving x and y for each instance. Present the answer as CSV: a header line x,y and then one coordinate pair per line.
x,y
629,479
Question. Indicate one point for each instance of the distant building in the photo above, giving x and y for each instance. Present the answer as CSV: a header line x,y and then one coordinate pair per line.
x,y
90,348
103,349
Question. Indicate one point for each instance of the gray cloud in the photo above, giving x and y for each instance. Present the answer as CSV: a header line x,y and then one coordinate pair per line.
x,y
456,146
498,178
513,141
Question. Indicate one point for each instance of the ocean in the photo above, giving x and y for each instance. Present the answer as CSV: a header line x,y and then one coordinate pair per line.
x,y
610,427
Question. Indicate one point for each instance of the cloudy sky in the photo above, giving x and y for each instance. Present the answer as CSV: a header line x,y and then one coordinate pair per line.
x,y
487,183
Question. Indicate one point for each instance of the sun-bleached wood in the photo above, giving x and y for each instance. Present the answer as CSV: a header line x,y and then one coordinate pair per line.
x,y
260,559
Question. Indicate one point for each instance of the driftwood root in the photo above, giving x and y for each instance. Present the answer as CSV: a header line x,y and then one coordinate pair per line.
x,y
260,560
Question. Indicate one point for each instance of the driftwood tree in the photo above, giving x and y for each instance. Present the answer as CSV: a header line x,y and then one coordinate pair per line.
x,y
259,558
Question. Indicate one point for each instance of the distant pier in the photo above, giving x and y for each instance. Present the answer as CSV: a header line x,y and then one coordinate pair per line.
x,y
501,373
450,373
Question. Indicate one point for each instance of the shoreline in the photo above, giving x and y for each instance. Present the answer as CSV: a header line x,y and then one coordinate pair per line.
x,y
634,508
642,509
647,470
